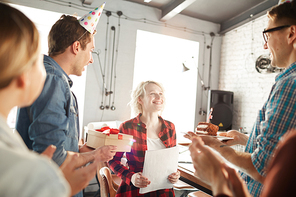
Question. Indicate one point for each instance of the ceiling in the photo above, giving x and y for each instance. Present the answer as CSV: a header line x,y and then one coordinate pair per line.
x,y
228,13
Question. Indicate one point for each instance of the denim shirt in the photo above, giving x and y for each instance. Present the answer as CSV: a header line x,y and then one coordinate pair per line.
x,y
53,117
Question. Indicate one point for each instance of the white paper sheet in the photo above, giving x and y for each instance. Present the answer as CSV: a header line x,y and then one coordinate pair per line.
x,y
158,165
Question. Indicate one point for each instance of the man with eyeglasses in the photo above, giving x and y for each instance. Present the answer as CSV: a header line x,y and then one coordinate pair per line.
x,y
278,114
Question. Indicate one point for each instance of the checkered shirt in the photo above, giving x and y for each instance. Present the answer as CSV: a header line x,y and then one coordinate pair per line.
x,y
135,158
277,116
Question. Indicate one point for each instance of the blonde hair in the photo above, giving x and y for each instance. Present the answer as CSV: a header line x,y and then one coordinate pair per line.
x,y
19,47
140,92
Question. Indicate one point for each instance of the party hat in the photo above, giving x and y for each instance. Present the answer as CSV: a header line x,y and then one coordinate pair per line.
x,y
91,19
284,1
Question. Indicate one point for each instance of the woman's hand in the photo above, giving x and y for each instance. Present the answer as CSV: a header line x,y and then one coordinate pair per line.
x,y
139,180
174,177
238,138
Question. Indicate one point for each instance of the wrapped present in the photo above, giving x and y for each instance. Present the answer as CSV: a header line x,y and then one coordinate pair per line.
x,y
109,136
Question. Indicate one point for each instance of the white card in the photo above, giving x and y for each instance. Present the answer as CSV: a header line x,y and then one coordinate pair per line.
x,y
158,165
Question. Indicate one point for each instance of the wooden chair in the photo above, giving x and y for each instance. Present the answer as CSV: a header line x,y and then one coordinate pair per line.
x,y
108,186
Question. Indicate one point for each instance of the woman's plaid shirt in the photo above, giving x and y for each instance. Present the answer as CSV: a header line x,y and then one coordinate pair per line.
x,y
135,158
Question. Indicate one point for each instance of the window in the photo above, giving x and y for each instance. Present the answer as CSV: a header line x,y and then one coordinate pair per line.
x,y
159,58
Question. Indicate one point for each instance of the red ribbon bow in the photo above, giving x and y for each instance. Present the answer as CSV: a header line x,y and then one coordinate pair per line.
x,y
108,130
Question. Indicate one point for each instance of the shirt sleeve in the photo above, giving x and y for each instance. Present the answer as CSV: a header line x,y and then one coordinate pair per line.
x,y
115,164
173,135
279,118
49,115
30,175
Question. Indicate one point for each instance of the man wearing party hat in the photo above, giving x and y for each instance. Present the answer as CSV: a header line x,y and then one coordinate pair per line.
x,y
53,117
277,116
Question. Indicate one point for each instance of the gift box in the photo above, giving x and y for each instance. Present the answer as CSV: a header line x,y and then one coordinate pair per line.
x,y
108,136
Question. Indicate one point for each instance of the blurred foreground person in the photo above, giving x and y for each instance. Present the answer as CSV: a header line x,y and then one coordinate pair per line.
x,y
22,75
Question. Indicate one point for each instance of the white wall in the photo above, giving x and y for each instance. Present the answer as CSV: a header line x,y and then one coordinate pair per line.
x,y
127,45
240,48
126,52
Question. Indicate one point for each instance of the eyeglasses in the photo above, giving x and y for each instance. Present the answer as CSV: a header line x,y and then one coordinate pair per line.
x,y
273,29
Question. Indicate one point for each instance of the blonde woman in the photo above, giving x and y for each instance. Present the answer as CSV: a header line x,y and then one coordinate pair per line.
x,y
150,132
22,75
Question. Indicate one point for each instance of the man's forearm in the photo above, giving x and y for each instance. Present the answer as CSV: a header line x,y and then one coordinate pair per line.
x,y
83,158
241,160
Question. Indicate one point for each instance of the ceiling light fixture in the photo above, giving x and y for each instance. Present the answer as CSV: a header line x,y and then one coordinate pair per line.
x,y
87,2
147,1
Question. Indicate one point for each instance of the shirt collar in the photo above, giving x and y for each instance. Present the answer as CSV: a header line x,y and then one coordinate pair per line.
x,y
52,62
140,123
289,70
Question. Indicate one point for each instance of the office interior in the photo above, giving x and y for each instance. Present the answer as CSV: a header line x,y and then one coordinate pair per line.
x,y
226,56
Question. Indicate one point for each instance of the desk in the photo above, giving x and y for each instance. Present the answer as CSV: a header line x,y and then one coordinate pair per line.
x,y
187,176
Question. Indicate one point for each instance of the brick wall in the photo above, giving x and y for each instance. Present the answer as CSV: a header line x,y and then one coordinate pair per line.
x,y
239,51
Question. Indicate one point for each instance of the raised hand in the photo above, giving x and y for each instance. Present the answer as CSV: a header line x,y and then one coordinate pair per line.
x,y
105,153
77,175
208,166
189,135
235,183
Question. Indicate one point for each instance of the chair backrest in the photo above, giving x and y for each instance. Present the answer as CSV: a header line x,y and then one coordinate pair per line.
x,y
106,183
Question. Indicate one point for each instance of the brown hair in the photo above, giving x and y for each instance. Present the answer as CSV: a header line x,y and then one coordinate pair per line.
x,y
284,13
19,48
65,32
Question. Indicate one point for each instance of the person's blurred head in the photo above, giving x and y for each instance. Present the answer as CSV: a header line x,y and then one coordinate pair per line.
x,y
150,94
19,47
20,56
